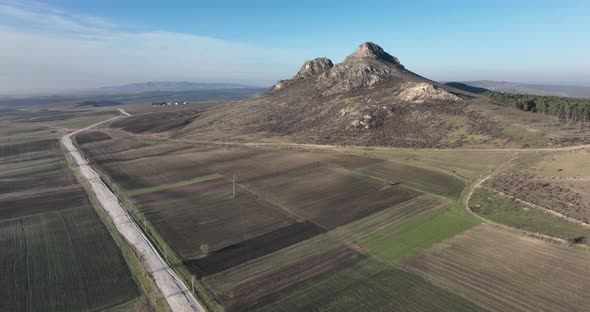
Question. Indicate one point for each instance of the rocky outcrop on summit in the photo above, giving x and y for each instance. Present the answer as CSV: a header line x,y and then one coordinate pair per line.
x,y
371,51
366,67
308,69
314,67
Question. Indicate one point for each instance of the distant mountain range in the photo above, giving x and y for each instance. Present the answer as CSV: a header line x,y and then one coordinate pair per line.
x,y
169,86
128,97
512,87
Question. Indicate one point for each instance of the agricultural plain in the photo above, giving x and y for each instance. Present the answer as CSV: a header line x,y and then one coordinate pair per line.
x,y
57,255
336,229
298,218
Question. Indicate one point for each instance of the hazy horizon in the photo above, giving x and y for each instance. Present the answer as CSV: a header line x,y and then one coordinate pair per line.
x,y
62,45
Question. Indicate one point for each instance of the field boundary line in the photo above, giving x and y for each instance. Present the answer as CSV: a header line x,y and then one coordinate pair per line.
x,y
163,187
297,217
407,186
328,146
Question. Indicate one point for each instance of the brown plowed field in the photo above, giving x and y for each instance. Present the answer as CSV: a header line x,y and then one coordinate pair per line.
x,y
91,137
19,206
504,271
264,286
330,196
253,248
205,213
30,151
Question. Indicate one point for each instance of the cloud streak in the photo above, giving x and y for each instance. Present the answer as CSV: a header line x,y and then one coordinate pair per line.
x,y
45,49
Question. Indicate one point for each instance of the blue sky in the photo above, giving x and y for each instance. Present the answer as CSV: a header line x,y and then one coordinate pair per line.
x,y
71,44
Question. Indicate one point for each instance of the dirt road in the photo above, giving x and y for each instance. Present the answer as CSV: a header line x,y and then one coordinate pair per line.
x,y
377,148
177,295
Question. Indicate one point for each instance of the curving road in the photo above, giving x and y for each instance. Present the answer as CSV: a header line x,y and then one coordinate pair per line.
x,y
177,295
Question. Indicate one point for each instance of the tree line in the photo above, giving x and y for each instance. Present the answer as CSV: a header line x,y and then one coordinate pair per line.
x,y
565,108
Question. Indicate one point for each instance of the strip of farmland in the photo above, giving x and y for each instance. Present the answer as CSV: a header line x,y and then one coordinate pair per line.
x,y
206,213
366,285
253,248
61,261
504,271
419,178
265,279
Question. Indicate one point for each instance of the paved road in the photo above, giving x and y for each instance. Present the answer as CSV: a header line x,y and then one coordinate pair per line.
x,y
176,293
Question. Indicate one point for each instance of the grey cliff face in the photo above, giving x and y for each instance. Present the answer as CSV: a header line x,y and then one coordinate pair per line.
x,y
314,67
369,50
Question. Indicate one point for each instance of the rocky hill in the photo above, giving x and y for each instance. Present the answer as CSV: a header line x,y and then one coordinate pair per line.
x,y
368,99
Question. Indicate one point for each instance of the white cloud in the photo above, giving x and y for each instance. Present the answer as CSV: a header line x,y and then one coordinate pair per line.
x,y
45,48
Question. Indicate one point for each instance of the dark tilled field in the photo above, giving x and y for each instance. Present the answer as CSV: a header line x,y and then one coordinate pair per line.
x,y
61,261
330,196
137,165
30,151
31,177
91,137
205,213
366,285
253,248
55,115
265,284
32,204
37,180
156,122
153,171
103,151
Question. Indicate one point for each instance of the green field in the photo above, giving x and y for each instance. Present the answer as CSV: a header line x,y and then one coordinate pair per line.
x,y
367,285
418,234
428,181
505,210
61,261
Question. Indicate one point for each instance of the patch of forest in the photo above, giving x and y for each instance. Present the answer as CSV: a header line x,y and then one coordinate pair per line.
x,y
569,109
